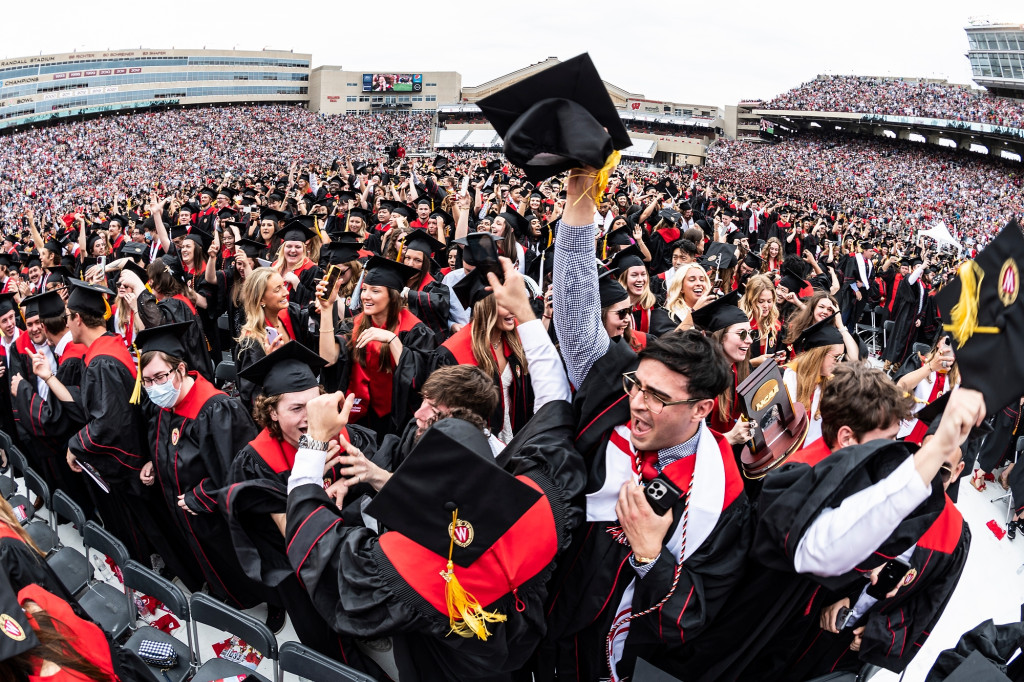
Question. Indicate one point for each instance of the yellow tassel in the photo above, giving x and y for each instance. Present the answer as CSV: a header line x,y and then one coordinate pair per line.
x,y
551,235
964,315
107,312
600,183
399,256
465,614
604,249
137,391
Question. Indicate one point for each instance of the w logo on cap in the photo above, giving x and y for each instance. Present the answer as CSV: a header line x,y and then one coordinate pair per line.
x,y
461,532
1009,282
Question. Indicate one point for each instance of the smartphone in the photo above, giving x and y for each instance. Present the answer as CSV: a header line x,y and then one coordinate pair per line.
x,y
484,252
662,494
465,186
333,273
102,262
890,577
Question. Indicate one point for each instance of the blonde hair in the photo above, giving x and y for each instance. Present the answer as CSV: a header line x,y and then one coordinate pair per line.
x,y
485,319
765,253
757,285
253,290
807,366
674,300
7,516
647,299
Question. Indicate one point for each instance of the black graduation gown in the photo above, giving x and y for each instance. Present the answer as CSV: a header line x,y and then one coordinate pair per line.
x,y
595,574
300,327
353,577
774,608
305,292
179,309
896,629
654,321
258,487
431,304
904,314
193,447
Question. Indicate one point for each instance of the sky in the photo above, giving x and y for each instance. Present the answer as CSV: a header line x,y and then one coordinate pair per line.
x,y
699,53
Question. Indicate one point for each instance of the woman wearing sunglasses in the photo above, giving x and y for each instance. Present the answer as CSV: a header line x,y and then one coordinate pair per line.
x,y
822,306
730,327
818,350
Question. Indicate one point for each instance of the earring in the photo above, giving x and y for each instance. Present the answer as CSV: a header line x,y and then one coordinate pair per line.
x,y
263,305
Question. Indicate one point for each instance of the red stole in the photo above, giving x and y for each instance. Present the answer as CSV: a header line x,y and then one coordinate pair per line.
x,y
643,322
184,299
71,351
895,287
111,345
427,279
24,344
812,454
201,392
370,382
920,428
944,535
286,322
279,455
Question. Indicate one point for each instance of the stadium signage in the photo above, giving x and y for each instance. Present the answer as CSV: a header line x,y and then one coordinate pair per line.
x,y
59,76
25,61
79,92
946,123
19,81
135,70
117,71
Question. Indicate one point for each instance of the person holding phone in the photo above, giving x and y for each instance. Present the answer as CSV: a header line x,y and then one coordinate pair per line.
x,y
759,303
936,375
426,298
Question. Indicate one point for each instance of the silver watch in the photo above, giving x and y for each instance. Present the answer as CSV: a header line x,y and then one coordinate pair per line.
x,y
305,442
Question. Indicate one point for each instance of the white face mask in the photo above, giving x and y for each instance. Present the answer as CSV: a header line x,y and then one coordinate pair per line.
x,y
164,395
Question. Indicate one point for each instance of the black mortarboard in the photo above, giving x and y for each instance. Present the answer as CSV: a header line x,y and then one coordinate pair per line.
x,y
140,271
720,313
520,225
823,333
608,288
174,267
493,166
423,201
7,260
440,162
289,369
338,252
619,237
201,237
752,260
33,262
931,414
451,469
227,213
271,214
209,191
133,249
167,338
17,636
629,257
669,216
445,216
719,256
46,304
558,119
227,193
471,288
179,231
387,273
298,230
467,253
252,249
419,240
792,280
88,298
983,309
61,273
7,303
402,210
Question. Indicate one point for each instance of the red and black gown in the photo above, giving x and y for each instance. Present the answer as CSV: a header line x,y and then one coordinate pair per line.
x,y
372,586
430,303
179,308
257,488
653,321
591,586
297,322
309,273
715,420
193,446
458,350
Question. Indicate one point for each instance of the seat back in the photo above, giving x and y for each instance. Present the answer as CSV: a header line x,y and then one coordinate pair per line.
x,y
312,665
5,441
65,507
95,537
888,326
208,611
35,483
147,581
17,458
225,371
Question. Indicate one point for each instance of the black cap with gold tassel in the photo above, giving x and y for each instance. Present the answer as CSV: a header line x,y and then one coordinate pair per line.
x,y
450,497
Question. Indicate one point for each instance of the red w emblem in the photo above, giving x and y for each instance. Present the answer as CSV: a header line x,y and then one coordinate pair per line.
x,y
635,105
461,532
11,628
1009,282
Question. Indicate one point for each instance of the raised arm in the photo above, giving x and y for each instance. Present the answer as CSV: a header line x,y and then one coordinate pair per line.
x,y
577,312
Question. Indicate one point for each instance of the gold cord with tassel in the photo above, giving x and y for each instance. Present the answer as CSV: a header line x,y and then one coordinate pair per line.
x,y
964,315
137,391
465,614
600,183
107,312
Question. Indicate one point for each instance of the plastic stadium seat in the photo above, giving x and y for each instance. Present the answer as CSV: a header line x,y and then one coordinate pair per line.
x,y
208,611
105,604
71,566
141,579
312,665
224,373
43,533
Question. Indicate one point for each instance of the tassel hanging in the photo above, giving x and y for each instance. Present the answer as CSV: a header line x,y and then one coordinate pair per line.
x,y
137,391
964,315
465,614
107,312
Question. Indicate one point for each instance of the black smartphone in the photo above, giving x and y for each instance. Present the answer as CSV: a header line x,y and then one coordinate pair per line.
x,y
333,273
484,253
889,578
662,494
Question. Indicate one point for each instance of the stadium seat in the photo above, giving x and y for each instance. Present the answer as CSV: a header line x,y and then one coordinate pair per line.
x,y
144,581
887,328
17,459
105,604
308,664
921,348
224,373
71,566
42,532
208,611
871,330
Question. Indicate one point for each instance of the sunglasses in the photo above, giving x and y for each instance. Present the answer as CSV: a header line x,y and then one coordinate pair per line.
x,y
621,314
946,472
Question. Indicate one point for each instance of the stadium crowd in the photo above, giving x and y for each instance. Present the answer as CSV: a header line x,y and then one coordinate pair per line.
x,y
900,97
461,419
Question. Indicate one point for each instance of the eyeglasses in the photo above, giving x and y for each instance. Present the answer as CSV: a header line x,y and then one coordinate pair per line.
x,y
157,379
946,472
746,334
621,314
654,403
839,357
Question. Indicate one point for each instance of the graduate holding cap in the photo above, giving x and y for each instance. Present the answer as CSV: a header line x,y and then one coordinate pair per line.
x,y
194,432
819,348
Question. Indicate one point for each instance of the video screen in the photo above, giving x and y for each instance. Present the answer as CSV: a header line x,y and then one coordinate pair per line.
x,y
392,82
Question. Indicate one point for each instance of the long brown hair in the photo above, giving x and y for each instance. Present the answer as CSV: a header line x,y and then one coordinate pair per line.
x,y
802,319
726,397
54,648
757,285
485,319
366,321
807,366
7,516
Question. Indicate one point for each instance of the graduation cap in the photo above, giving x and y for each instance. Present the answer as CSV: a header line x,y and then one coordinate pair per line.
x,y
420,240
6,260
609,290
179,231
133,249
752,260
210,192
227,213
792,280
201,237
140,271
473,243
542,265
402,210
16,636
298,230
931,414
520,225
719,256
558,119
442,497
289,369
823,333
619,237
983,309
387,273
471,288
7,303
358,213
60,272
669,216
345,196
227,193
629,257
338,252
720,313
445,216
89,298
45,305
251,249
440,162
271,214
174,267
493,166
167,338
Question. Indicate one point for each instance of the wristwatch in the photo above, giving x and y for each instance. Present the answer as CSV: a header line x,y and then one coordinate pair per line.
x,y
305,442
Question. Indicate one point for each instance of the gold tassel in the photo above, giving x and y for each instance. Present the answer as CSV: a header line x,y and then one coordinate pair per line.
x,y
398,258
964,315
604,249
551,235
137,391
600,183
107,312
471,619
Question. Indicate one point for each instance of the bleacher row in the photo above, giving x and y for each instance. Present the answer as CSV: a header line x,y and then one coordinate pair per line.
x,y
489,139
111,602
